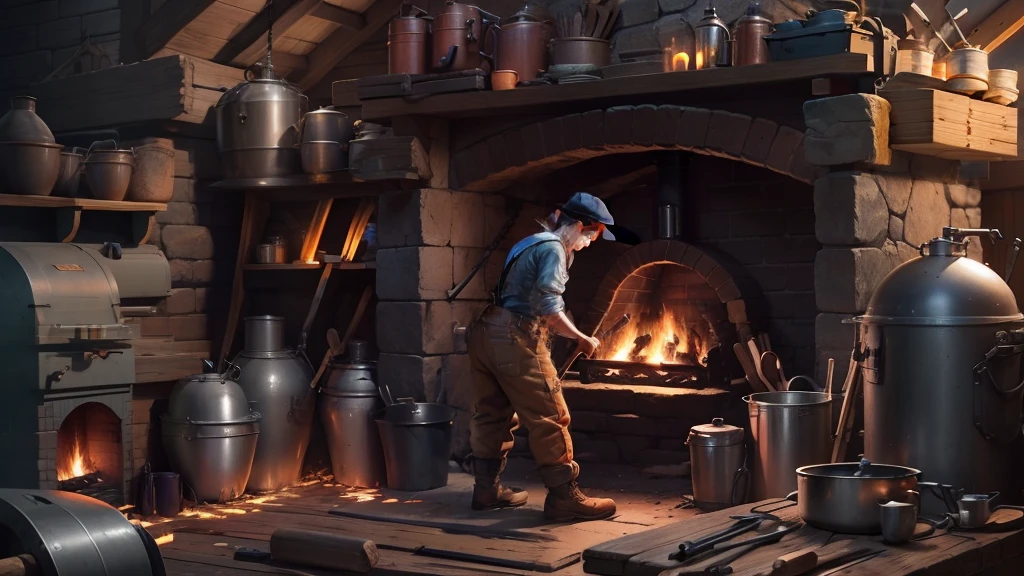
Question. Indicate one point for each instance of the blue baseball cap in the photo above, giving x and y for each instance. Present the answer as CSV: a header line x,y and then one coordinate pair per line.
x,y
589,209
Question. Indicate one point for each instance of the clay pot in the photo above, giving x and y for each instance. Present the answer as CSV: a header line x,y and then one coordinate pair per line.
x,y
108,173
29,155
152,179
69,177
504,79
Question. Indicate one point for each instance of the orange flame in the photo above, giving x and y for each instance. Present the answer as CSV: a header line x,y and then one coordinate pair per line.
x,y
76,465
670,343
681,61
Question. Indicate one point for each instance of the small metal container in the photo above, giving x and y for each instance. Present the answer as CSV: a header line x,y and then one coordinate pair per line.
x,y
712,39
898,520
273,251
790,430
975,509
717,465
749,34
349,403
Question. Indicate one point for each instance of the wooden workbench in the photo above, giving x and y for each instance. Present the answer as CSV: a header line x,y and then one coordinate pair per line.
x,y
944,553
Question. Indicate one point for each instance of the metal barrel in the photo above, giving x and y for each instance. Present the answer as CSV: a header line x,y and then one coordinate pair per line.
x,y
349,403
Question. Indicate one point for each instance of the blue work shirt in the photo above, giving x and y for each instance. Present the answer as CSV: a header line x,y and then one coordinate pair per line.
x,y
535,283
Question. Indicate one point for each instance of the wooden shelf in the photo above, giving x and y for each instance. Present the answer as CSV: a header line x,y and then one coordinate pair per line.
x,y
311,188
296,180
471,104
313,266
79,203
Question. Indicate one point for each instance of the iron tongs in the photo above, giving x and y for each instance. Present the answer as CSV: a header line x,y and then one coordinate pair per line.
x,y
744,523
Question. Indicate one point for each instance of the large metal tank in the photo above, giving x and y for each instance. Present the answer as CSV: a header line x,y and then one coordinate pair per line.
x,y
942,371
349,404
257,127
210,434
276,381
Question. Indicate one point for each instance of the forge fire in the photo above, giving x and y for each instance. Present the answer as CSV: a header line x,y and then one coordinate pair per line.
x,y
659,340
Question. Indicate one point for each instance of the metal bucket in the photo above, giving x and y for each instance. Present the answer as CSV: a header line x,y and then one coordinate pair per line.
x,y
349,403
417,440
168,493
790,430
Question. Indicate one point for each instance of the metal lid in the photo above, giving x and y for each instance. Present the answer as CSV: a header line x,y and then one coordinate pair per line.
x,y
753,14
262,89
210,399
711,18
718,433
943,288
326,111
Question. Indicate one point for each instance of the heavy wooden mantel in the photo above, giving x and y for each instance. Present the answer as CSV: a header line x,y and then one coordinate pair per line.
x,y
620,90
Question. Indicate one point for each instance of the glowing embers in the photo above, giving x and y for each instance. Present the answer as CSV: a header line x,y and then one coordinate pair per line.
x,y
74,462
656,341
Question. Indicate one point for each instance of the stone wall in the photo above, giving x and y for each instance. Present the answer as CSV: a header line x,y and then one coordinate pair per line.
x,y
38,36
874,217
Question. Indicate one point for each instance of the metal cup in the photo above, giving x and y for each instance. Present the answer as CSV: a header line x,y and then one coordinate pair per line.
x,y
898,521
975,509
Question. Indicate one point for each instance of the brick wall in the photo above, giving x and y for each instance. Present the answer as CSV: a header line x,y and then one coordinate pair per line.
x,y
38,36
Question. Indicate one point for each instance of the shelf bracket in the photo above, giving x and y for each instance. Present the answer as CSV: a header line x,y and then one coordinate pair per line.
x,y
68,220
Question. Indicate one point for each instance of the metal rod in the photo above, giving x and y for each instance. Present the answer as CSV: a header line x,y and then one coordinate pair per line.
x,y
1011,261
957,27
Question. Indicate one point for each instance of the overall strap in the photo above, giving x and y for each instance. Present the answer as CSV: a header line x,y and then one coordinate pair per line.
x,y
496,295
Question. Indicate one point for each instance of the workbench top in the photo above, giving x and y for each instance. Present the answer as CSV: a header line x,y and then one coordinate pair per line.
x,y
943,553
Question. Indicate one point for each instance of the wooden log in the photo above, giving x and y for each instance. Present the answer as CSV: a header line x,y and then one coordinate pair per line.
x,y
323,550
396,157
24,565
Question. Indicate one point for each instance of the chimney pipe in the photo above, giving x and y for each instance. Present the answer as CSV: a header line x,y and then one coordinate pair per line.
x,y
670,194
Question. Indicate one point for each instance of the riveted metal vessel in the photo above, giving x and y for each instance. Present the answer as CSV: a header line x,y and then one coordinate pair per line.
x,y
257,127
210,434
941,355
276,382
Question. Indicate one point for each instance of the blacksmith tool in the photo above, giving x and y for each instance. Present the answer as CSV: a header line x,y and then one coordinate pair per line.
x,y
744,523
579,347
1011,259
724,568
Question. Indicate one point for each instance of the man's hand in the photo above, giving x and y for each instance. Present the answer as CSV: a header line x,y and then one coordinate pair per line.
x,y
588,344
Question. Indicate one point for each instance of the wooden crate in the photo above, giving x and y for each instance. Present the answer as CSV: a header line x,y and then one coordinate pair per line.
x,y
952,126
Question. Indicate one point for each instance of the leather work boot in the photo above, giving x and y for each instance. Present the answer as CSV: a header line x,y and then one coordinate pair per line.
x,y
488,493
567,502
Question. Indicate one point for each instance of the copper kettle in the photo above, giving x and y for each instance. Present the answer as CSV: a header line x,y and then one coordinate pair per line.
x,y
522,43
458,39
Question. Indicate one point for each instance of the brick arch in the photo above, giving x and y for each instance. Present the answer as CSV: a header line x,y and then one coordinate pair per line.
x,y
532,151
741,299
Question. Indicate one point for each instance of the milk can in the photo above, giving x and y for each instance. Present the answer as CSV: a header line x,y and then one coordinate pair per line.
x,y
712,41
717,465
942,347
350,402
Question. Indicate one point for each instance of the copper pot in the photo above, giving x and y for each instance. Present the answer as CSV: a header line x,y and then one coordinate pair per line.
x,y
407,42
749,34
458,37
581,50
522,44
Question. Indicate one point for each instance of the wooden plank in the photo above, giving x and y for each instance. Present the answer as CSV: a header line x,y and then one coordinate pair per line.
x,y
999,26
250,44
464,105
286,60
343,41
80,203
316,228
163,346
340,16
254,218
168,367
168,20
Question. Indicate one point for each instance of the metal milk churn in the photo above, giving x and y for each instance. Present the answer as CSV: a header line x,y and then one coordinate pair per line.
x,y
350,403
712,40
717,465
940,348
276,381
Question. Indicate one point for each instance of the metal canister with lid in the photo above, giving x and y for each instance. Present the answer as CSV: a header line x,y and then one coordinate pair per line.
x,y
718,465
712,40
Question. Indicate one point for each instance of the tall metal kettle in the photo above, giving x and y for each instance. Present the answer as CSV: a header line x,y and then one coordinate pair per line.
x,y
257,126
523,41
276,381
712,40
459,41
941,346
749,33
408,35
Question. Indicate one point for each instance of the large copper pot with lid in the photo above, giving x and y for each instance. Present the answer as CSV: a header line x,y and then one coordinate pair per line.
x,y
458,37
522,43
408,34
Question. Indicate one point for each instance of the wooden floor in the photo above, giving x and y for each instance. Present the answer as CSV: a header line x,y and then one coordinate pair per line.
x,y
944,553
420,533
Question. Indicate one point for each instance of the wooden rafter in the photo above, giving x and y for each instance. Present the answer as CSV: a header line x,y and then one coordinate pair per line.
x,y
343,41
250,43
1003,23
289,61
340,16
164,24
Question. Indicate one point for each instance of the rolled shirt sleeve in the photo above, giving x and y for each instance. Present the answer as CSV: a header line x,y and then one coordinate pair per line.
x,y
552,274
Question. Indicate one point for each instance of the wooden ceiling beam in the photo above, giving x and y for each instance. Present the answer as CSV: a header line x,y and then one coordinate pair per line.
x,y
340,16
164,24
250,43
290,61
343,41
1004,22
